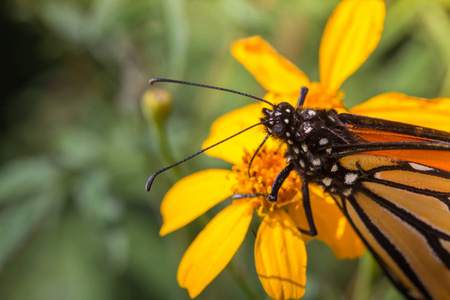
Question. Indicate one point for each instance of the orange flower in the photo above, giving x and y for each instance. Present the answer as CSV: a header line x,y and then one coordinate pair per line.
x,y
352,33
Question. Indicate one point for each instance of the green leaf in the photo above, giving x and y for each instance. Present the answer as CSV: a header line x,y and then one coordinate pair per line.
x,y
18,222
27,177
63,262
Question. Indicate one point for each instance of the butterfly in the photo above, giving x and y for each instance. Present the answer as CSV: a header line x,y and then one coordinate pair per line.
x,y
391,180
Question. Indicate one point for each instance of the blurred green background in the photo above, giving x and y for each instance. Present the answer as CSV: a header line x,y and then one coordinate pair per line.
x,y
75,220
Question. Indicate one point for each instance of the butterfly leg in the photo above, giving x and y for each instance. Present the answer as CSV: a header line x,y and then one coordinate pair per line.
x,y
281,177
307,207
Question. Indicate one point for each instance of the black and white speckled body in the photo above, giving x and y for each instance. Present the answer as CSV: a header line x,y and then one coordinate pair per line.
x,y
309,135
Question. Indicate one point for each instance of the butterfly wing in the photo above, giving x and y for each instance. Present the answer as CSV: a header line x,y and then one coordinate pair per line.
x,y
405,225
379,131
401,205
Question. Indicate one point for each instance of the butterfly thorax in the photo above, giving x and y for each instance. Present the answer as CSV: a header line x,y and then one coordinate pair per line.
x,y
310,135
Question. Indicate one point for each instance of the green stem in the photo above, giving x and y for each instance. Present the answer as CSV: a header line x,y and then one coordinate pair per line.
x,y
242,282
165,149
178,35
436,23
364,273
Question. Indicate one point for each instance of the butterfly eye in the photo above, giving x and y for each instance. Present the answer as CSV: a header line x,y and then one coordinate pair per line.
x,y
278,129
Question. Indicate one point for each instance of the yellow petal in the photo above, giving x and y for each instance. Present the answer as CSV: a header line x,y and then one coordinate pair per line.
x,y
332,226
194,195
280,257
274,72
214,247
352,33
433,113
231,123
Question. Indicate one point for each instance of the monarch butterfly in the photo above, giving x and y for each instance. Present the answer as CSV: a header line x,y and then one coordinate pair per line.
x,y
390,179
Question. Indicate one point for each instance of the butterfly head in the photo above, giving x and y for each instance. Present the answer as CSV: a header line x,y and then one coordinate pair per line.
x,y
279,120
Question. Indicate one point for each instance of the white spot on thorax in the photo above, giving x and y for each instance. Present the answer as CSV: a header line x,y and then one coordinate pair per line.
x,y
302,163
334,168
290,142
323,141
304,147
328,150
311,112
316,162
288,110
327,181
350,178
296,150
286,121
278,114
347,192
288,134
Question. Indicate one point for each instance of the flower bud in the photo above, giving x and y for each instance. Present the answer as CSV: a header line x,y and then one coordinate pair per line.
x,y
156,105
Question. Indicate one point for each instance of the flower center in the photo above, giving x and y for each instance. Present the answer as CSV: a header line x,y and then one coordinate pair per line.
x,y
264,169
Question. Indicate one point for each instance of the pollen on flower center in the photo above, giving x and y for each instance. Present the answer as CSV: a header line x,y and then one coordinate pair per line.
x,y
264,169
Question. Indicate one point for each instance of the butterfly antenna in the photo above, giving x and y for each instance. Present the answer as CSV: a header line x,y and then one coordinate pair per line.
x,y
256,152
149,183
153,80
